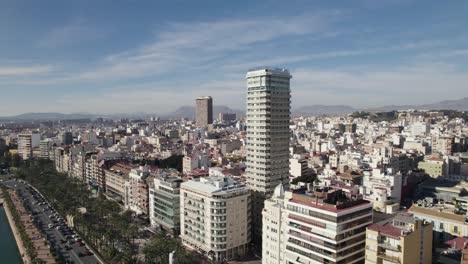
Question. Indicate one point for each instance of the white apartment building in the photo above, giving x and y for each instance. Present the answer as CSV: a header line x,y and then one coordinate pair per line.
x,y
274,214
298,166
268,135
319,225
26,143
268,117
194,161
382,189
215,217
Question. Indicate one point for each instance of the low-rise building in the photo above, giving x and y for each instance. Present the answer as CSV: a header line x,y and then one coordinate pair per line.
x,y
446,223
401,239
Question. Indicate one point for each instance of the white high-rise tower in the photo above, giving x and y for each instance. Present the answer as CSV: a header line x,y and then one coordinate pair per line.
x,y
268,134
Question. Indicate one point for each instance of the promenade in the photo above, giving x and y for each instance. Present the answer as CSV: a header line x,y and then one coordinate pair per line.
x,y
14,229
41,247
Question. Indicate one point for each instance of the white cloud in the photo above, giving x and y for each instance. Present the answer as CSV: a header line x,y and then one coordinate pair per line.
x,y
24,70
197,45
406,84
75,32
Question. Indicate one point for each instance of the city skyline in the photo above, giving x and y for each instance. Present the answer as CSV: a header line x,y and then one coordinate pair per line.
x,y
102,59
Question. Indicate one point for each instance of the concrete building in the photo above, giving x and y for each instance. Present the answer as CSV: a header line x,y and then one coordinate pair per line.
x,y
298,166
46,150
116,177
194,161
446,223
164,203
274,217
67,138
138,191
26,143
268,134
215,217
227,117
401,239
382,189
319,225
204,111
420,129
433,166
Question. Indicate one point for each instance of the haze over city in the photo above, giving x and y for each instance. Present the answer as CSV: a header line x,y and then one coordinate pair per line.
x,y
119,56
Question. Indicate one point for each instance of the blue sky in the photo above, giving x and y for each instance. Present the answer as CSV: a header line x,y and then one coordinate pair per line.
x,y
154,56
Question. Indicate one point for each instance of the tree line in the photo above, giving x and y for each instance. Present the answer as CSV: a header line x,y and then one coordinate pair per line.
x,y
105,226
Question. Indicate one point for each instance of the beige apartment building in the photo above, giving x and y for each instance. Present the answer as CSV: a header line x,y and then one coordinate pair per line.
x,y
402,239
116,177
215,217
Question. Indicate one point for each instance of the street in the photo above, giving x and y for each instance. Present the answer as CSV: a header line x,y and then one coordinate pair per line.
x,y
68,245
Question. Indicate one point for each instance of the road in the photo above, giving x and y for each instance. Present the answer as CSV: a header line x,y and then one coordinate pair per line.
x,y
61,240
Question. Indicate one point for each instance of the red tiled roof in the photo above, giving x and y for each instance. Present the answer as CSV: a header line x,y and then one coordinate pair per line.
x,y
458,243
387,229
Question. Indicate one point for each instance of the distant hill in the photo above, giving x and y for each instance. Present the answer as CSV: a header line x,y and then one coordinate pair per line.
x,y
323,110
189,112
48,116
460,105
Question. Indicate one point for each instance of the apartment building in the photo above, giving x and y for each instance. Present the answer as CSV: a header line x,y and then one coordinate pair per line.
x,y
315,225
116,177
401,239
446,223
26,143
164,203
138,191
215,217
268,134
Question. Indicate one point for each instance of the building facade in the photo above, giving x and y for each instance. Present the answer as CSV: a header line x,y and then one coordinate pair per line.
x,y
164,203
316,225
402,239
26,143
215,217
204,111
268,134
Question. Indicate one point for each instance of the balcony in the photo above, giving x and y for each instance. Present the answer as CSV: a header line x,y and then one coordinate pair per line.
x,y
390,247
388,258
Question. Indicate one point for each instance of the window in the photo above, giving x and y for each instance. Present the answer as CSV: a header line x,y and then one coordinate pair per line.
x,y
455,229
441,226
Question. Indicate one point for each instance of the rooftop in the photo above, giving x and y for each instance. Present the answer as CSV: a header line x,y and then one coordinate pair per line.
x,y
437,212
214,184
387,229
265,70
327,198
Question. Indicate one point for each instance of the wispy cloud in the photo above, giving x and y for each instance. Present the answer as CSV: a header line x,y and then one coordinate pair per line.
x,y
24,70
376,86
196,45
75,32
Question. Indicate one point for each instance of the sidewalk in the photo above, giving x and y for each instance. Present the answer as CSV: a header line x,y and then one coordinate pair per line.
x,y
14,229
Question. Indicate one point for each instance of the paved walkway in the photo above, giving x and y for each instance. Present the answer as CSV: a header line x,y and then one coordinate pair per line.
x,y
16,234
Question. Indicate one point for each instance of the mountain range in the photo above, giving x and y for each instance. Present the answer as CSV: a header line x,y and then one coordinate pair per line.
x,y
189,111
